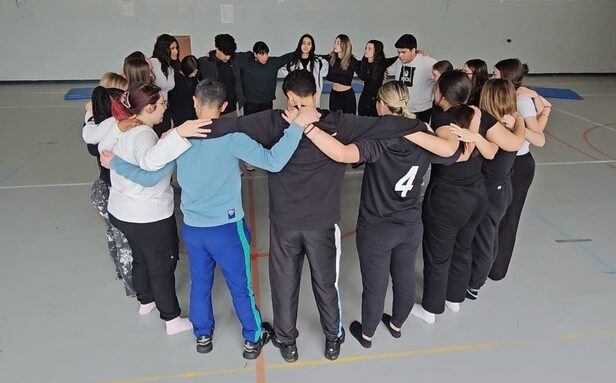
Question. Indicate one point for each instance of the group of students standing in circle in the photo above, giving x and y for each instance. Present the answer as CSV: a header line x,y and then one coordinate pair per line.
x,y
477,145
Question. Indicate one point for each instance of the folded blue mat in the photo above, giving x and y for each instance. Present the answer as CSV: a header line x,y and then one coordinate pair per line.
x,y
78,94
566,94
327,88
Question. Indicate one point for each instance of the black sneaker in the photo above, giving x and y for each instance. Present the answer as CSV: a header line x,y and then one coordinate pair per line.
x,y
471,293
204,344
332,347
253,350
287,351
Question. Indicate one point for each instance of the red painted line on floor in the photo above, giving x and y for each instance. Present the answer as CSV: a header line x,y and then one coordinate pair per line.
x,y
348,234
260,368
575,148
586,137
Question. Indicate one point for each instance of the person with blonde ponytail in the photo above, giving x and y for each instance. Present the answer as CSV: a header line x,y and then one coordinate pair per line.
x,y
389,224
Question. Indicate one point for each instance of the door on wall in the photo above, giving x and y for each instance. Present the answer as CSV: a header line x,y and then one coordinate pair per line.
x,y
185,49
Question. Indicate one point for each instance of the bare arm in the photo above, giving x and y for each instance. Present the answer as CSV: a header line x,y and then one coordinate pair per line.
x,y
535,138
331,147
505,139
444,144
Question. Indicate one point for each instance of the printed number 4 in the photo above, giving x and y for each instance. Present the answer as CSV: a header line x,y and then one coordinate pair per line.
x,y
405,184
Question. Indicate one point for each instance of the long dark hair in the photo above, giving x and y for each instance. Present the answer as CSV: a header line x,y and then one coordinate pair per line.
x,y
513,70
455,87
369,70
297,54
101,102
479,69
162,51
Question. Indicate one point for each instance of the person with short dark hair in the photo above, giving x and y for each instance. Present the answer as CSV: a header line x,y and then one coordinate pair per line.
x,y
220,64
214,230
259,76
415,70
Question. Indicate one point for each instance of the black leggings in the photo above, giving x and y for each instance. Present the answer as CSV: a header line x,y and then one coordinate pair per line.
x,y
450,216
521,179
367,105
344,101
155,255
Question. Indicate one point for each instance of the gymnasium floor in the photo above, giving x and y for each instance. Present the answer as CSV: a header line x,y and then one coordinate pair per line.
x,y
65,319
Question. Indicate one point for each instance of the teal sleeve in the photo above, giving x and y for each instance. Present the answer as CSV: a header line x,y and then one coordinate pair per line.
x,y
274,159
138,175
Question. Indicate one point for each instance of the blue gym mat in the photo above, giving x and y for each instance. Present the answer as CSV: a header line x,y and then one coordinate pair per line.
x,y
566,94
78,94
327,88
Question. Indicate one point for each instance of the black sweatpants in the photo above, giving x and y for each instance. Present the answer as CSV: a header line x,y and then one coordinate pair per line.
x,y
521,179
155,255
344,101
367,105
424,115
485,242
250,108
286,258
385,251
450,216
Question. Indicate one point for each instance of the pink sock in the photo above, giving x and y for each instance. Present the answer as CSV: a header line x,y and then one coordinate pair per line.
x,y
147,308
177,325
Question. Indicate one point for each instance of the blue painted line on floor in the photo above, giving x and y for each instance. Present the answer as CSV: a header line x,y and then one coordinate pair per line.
x,y
607,267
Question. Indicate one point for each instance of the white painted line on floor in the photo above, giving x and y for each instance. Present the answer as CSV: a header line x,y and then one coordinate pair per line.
x,y
585,119
44,186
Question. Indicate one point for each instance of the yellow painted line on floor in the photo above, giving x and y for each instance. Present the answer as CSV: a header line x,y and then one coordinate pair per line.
x,y
364,358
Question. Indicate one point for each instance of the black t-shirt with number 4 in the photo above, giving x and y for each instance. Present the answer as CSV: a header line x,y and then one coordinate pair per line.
x,y
391,185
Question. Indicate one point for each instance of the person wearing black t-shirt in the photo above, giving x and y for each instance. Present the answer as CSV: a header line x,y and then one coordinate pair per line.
x,y
498,97
455,199
371,70
304,203
342,67
389,223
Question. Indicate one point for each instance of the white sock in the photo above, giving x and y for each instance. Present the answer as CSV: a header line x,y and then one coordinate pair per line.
x,y
423,314
147,308
177,325
455,307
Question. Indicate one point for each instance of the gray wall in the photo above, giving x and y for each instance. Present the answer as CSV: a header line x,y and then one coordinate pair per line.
x,y
81,39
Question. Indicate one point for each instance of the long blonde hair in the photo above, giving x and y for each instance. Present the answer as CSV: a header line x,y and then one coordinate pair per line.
x,y
346,50
498,98
395,95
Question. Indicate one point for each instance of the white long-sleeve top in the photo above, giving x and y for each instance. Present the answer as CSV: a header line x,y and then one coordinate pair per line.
x,y
93,133
166,83
131,202
319,71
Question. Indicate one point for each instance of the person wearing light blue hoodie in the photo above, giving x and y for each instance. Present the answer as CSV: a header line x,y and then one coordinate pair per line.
x,y
214,230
